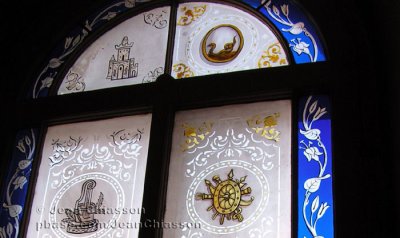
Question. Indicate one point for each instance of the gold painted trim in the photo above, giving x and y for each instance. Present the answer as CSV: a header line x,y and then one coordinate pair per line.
x,y
272,55
265,127
182,71
195,135
191,15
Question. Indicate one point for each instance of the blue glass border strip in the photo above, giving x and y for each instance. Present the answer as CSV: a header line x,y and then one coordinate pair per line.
x,y
315,199
15,187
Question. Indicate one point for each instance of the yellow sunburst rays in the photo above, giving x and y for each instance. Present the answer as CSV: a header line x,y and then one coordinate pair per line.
x,y
226,197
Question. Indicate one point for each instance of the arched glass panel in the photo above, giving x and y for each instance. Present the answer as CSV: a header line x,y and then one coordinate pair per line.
x,y
132,52
214,38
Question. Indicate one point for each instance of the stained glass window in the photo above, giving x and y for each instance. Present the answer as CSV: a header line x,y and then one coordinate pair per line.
x,y
128,54
230,167
230,171
91,179
203,38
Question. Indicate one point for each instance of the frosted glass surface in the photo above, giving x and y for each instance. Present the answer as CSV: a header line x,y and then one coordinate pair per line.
x,y
230,172
214,38
131,53
91,178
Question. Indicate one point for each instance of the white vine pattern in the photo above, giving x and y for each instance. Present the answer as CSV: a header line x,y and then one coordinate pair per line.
x,y
262,230
26,146
107,157
190,233
71,43
296,28
229,146
313,152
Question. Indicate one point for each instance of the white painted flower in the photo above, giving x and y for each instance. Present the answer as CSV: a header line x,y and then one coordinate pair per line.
x,y
109,16
14,210
55,63
20,182
312,134
312,153
47,82
300,46
129,3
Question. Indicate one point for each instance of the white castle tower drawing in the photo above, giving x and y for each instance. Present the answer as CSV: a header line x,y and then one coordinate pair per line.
x,y
123,67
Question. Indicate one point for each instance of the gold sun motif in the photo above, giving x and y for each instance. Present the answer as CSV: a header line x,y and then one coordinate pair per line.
x,y
226,197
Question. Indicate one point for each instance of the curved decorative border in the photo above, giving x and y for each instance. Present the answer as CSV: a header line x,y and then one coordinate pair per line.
x,y
46,77
298,31
315,170
14,191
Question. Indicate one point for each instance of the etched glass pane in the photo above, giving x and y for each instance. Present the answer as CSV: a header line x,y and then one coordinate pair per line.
x,y
15,187
91,178
230,172
131,53
315,203
214,38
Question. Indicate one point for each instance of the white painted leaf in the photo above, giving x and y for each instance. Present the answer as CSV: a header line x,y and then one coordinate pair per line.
x,y
313,107
109,16
68,41
10,229
315,204
76,40
312,184
318,116
2,233
23,164
27,140
55,63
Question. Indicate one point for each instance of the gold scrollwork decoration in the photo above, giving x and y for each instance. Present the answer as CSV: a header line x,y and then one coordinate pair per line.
x,y
182,71
191,14
195,135
273,55
266,127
